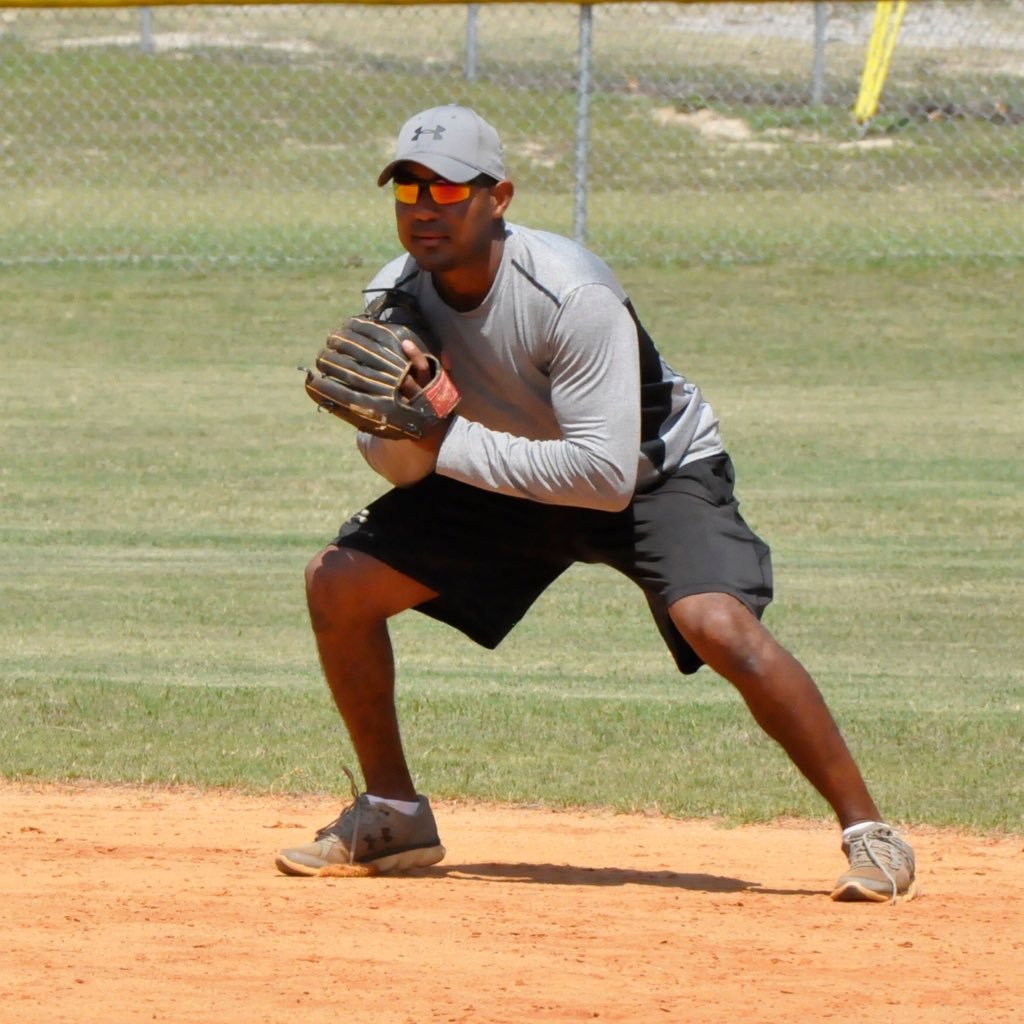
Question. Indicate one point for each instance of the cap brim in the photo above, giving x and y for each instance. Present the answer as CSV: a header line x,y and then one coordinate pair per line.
x,y
446,166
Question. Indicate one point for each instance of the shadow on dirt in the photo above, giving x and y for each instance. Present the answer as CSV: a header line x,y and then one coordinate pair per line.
x,y
568,874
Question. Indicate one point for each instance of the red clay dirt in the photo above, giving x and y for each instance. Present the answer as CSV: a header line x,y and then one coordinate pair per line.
x,y
154,904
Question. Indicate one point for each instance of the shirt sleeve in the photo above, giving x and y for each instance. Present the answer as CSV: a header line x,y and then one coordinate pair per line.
x,y
594,373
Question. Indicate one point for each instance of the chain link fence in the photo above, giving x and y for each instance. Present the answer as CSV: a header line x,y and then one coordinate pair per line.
x,y
714,132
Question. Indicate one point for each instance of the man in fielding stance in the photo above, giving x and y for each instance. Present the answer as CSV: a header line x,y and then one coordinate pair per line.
x,y
573,442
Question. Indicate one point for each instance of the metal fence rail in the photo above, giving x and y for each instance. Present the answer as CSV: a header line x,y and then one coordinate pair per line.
x,y
663,132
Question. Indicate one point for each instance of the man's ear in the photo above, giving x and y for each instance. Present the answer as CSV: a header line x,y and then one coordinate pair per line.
x,y
501,196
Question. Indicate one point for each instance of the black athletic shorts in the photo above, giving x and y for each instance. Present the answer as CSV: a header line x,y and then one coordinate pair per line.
x,y
489,556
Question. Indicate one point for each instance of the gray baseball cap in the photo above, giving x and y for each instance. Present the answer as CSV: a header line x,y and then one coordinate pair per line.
x,y
452,141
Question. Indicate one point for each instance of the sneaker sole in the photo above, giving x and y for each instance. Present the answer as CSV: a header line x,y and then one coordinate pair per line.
x,y
420,858
855,892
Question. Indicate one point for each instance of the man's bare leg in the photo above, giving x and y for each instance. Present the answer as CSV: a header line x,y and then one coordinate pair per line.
x,y
351,596
782,696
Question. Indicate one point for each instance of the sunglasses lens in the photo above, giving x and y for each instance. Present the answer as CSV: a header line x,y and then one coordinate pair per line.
x,y
445,193
407,192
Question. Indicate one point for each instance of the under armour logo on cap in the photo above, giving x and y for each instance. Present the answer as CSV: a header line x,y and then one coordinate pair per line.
x,y
437,133
459,147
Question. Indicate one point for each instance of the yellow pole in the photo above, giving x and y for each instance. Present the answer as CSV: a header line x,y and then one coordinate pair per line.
x,y
888,17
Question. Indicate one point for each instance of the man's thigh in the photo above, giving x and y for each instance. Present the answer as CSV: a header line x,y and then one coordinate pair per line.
x,y
486,556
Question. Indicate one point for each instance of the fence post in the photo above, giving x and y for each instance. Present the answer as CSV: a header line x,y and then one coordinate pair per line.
x,y
471,41
579,211
818,73
146,29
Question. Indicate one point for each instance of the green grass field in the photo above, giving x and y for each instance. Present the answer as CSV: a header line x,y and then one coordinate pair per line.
x,y
164,480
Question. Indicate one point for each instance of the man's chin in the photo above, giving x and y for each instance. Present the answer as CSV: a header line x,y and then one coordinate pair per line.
x,y
430,258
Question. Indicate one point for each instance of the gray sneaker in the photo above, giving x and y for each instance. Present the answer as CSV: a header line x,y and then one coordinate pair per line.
x,y
881,868
370,834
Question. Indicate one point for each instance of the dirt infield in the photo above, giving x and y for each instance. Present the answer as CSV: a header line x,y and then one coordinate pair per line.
x,y
125,904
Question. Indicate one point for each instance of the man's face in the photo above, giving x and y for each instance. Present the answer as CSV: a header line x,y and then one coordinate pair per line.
x,y
449,236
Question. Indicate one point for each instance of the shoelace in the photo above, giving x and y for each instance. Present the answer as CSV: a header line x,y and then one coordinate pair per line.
x,y
353,808
884,854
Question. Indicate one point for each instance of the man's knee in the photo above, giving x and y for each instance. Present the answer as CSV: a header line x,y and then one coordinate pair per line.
x,y
313,575
327,586
710,618
345,585
724,632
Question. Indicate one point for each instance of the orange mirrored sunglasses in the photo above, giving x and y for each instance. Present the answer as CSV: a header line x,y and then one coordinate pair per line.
x,y
444,193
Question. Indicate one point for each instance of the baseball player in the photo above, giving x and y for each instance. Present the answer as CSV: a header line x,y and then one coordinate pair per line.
x,y
564,437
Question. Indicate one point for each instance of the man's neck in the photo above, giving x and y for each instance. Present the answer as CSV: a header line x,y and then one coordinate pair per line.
x,y
466,288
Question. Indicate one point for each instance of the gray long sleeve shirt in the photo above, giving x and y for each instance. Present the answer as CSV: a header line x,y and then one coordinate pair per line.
x,y
565,399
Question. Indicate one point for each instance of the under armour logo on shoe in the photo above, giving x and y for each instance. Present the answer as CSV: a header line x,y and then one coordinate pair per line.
x,y
437,133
